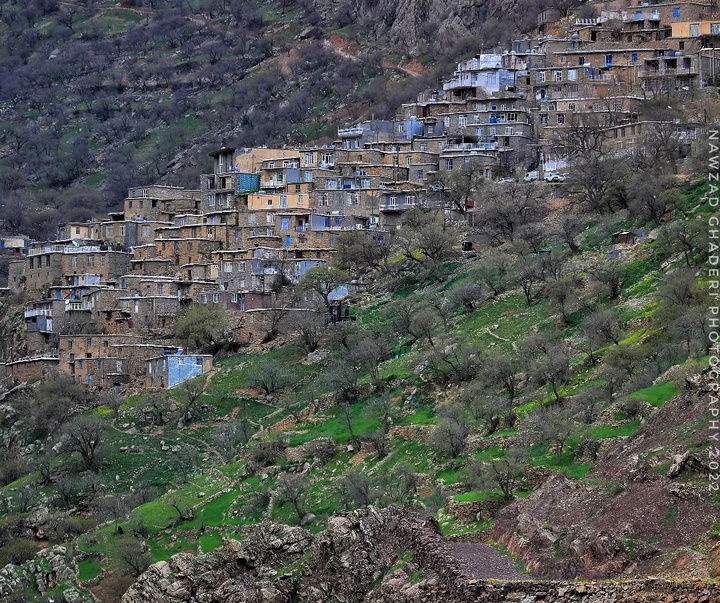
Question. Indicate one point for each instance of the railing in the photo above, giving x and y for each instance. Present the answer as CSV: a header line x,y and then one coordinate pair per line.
x,y
471,146
355,131
668,72
34,313
396,206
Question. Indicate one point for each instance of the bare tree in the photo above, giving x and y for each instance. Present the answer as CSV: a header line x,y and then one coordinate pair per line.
x,y
84,435
229,436
269,376
562,294
193,389
113,400
450,434
505,473
551,426
293,488
466,296
133,556
602,327
357,489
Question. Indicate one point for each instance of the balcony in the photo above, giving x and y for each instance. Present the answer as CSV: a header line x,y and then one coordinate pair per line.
x,y
348,132
38,312
389,207
470,146
272,184
668,72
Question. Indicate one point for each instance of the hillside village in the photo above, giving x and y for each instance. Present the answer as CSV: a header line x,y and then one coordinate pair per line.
x,y
264,217
454,352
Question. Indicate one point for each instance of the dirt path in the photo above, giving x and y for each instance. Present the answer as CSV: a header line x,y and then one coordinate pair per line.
x,y
483,561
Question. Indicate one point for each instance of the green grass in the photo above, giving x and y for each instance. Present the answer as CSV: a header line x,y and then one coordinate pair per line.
x,y
210,542
601,432
117,21
89,568
212,514
657,395
423,416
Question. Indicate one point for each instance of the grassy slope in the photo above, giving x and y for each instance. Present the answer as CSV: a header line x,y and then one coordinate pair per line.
x,y
508,318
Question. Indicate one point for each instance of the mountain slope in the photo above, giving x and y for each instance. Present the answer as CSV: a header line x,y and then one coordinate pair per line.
x,y
97,97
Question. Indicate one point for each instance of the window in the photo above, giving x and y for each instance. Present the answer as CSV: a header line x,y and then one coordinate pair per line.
x,y
634,57
233,298
216,298
270,218
393,201
365,183
581,60
676,12
617,105
512,116
449,164
211,200
540,76
423,146
301,199
297,188
269,203
557,76
447,122
508,131
608,60
694,30
410,200
80,364
431,130
285,224
227,267
572,75
408,161
715,29
560,119
73,262
462,121
571,106
544,120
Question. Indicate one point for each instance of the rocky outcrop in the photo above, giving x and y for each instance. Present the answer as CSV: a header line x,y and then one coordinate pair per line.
x,y
409,25
50,568
632,515
370,556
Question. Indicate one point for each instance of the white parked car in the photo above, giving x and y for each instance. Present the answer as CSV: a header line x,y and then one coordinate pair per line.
x,y
506,179
530,177
555,177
